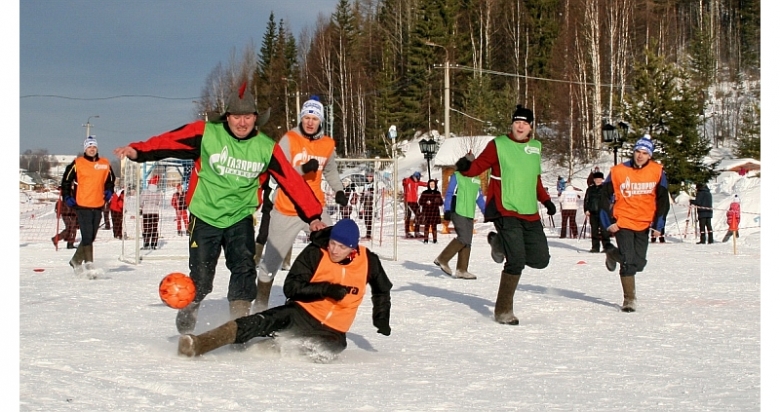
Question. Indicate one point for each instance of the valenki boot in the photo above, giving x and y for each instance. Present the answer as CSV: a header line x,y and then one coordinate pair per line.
x,y
263,295
505,299
239,308
443,260
258,252
629,294
187,317
77,259
191,345
462,269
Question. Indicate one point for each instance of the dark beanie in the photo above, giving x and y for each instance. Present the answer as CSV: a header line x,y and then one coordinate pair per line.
x,y
598,175
522,113
346,232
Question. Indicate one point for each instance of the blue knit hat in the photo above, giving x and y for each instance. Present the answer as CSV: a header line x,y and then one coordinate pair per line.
x,y
314,107
346,232
645,144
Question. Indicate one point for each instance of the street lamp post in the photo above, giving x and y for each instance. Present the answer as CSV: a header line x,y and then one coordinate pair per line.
x,y
446,88
428,149
89,125
615,136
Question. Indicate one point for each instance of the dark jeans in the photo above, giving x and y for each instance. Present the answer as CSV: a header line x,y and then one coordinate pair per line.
x,y
597,233
568,221
524,243
705,229
292,318
68,234
206,244
89,222
632,246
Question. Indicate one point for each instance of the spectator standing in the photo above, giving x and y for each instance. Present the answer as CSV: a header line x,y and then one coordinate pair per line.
x,y
411,186
324,289
590,180
367,204
117,207
569,205
591,206
430,210
312,155
87,184
68,215
107,215
630,211
703,204
150,205
459,201
561,185
223,195
179,204
733,216
515,163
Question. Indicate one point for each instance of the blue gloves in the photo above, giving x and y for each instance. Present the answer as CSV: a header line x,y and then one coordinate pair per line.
x,y
107,195
70,201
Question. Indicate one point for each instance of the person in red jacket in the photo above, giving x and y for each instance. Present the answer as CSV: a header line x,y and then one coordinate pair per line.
x,y
515,163
68,216
733,216
411,186
117,207
324,289
179,205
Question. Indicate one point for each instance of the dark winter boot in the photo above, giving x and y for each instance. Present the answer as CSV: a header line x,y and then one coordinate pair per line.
x,y
496,248
629,294
258,252
462,269
613,257
71,245
239,308
710,237
443,260
77,260
505,299
191,345
263,295
703,239
187,317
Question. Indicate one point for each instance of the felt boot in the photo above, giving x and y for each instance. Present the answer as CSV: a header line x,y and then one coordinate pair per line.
x,y
263,295
77,260
496,248
443,260
462,269
187,317
505,299
239,308
258,252
191,345
629,294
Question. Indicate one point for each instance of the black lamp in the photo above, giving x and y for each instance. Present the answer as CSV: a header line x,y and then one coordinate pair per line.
x,y
428,149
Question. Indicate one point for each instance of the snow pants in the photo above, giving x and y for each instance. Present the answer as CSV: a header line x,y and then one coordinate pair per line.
x,y
524,243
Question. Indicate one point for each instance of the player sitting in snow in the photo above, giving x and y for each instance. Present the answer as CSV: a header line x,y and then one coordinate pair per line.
x,y
323,296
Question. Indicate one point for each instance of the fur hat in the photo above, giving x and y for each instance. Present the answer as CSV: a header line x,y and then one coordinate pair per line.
x,y
522,113
90,142
346,232
312,106
645,144
598,175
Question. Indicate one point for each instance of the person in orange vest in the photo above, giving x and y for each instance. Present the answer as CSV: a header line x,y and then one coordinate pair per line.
x,y
87,184
634,202
324,290
312,154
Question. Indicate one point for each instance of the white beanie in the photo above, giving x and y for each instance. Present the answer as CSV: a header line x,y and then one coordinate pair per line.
x,y
312,106
89,142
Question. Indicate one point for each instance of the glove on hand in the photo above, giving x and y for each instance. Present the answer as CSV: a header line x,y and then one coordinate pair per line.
x,y
70,201
107,195
341,198
311,166
336,292
447,215
463,164
550,207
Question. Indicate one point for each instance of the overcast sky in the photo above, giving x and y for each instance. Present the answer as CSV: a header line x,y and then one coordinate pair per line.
x,y
78,56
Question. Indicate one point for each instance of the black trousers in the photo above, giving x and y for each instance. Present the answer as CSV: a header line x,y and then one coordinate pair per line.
x,y
293,318
89,222
206,244
632,246
597,233
151,230
524,243
705,229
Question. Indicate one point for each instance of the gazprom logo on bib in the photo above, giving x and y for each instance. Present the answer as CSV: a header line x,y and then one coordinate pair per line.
x,y
532,150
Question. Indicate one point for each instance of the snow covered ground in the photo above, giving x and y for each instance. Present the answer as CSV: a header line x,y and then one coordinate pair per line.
x,y
693,345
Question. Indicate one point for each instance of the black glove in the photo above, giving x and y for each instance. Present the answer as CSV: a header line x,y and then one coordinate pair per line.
x,y
336,292
463,164
311,166
447,215
550,207
341,198
384,329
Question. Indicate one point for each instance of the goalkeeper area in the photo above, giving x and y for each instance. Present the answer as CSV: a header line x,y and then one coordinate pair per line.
x,y
374,203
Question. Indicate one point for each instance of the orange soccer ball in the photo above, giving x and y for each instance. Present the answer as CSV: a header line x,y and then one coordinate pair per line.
x,y
177,290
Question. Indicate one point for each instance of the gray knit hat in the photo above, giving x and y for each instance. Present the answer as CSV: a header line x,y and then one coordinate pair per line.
x,y
241,101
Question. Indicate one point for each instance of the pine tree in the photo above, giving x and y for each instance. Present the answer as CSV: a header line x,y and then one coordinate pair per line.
x,y
663,105
749,140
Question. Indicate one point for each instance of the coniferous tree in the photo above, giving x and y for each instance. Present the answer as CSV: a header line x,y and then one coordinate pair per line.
x,y
749,140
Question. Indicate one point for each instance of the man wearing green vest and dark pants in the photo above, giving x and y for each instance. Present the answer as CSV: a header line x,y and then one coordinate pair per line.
x,y
515,161
462,193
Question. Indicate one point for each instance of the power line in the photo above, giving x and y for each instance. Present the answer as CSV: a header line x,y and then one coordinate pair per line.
x,y
121,96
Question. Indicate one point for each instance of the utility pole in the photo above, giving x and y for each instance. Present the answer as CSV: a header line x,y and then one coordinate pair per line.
x,y
446,88
89,125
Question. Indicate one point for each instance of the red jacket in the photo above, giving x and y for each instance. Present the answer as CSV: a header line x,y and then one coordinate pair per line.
x,y
410,189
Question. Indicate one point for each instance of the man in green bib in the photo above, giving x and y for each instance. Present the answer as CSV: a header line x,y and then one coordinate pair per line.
x,y
515,163
232,160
